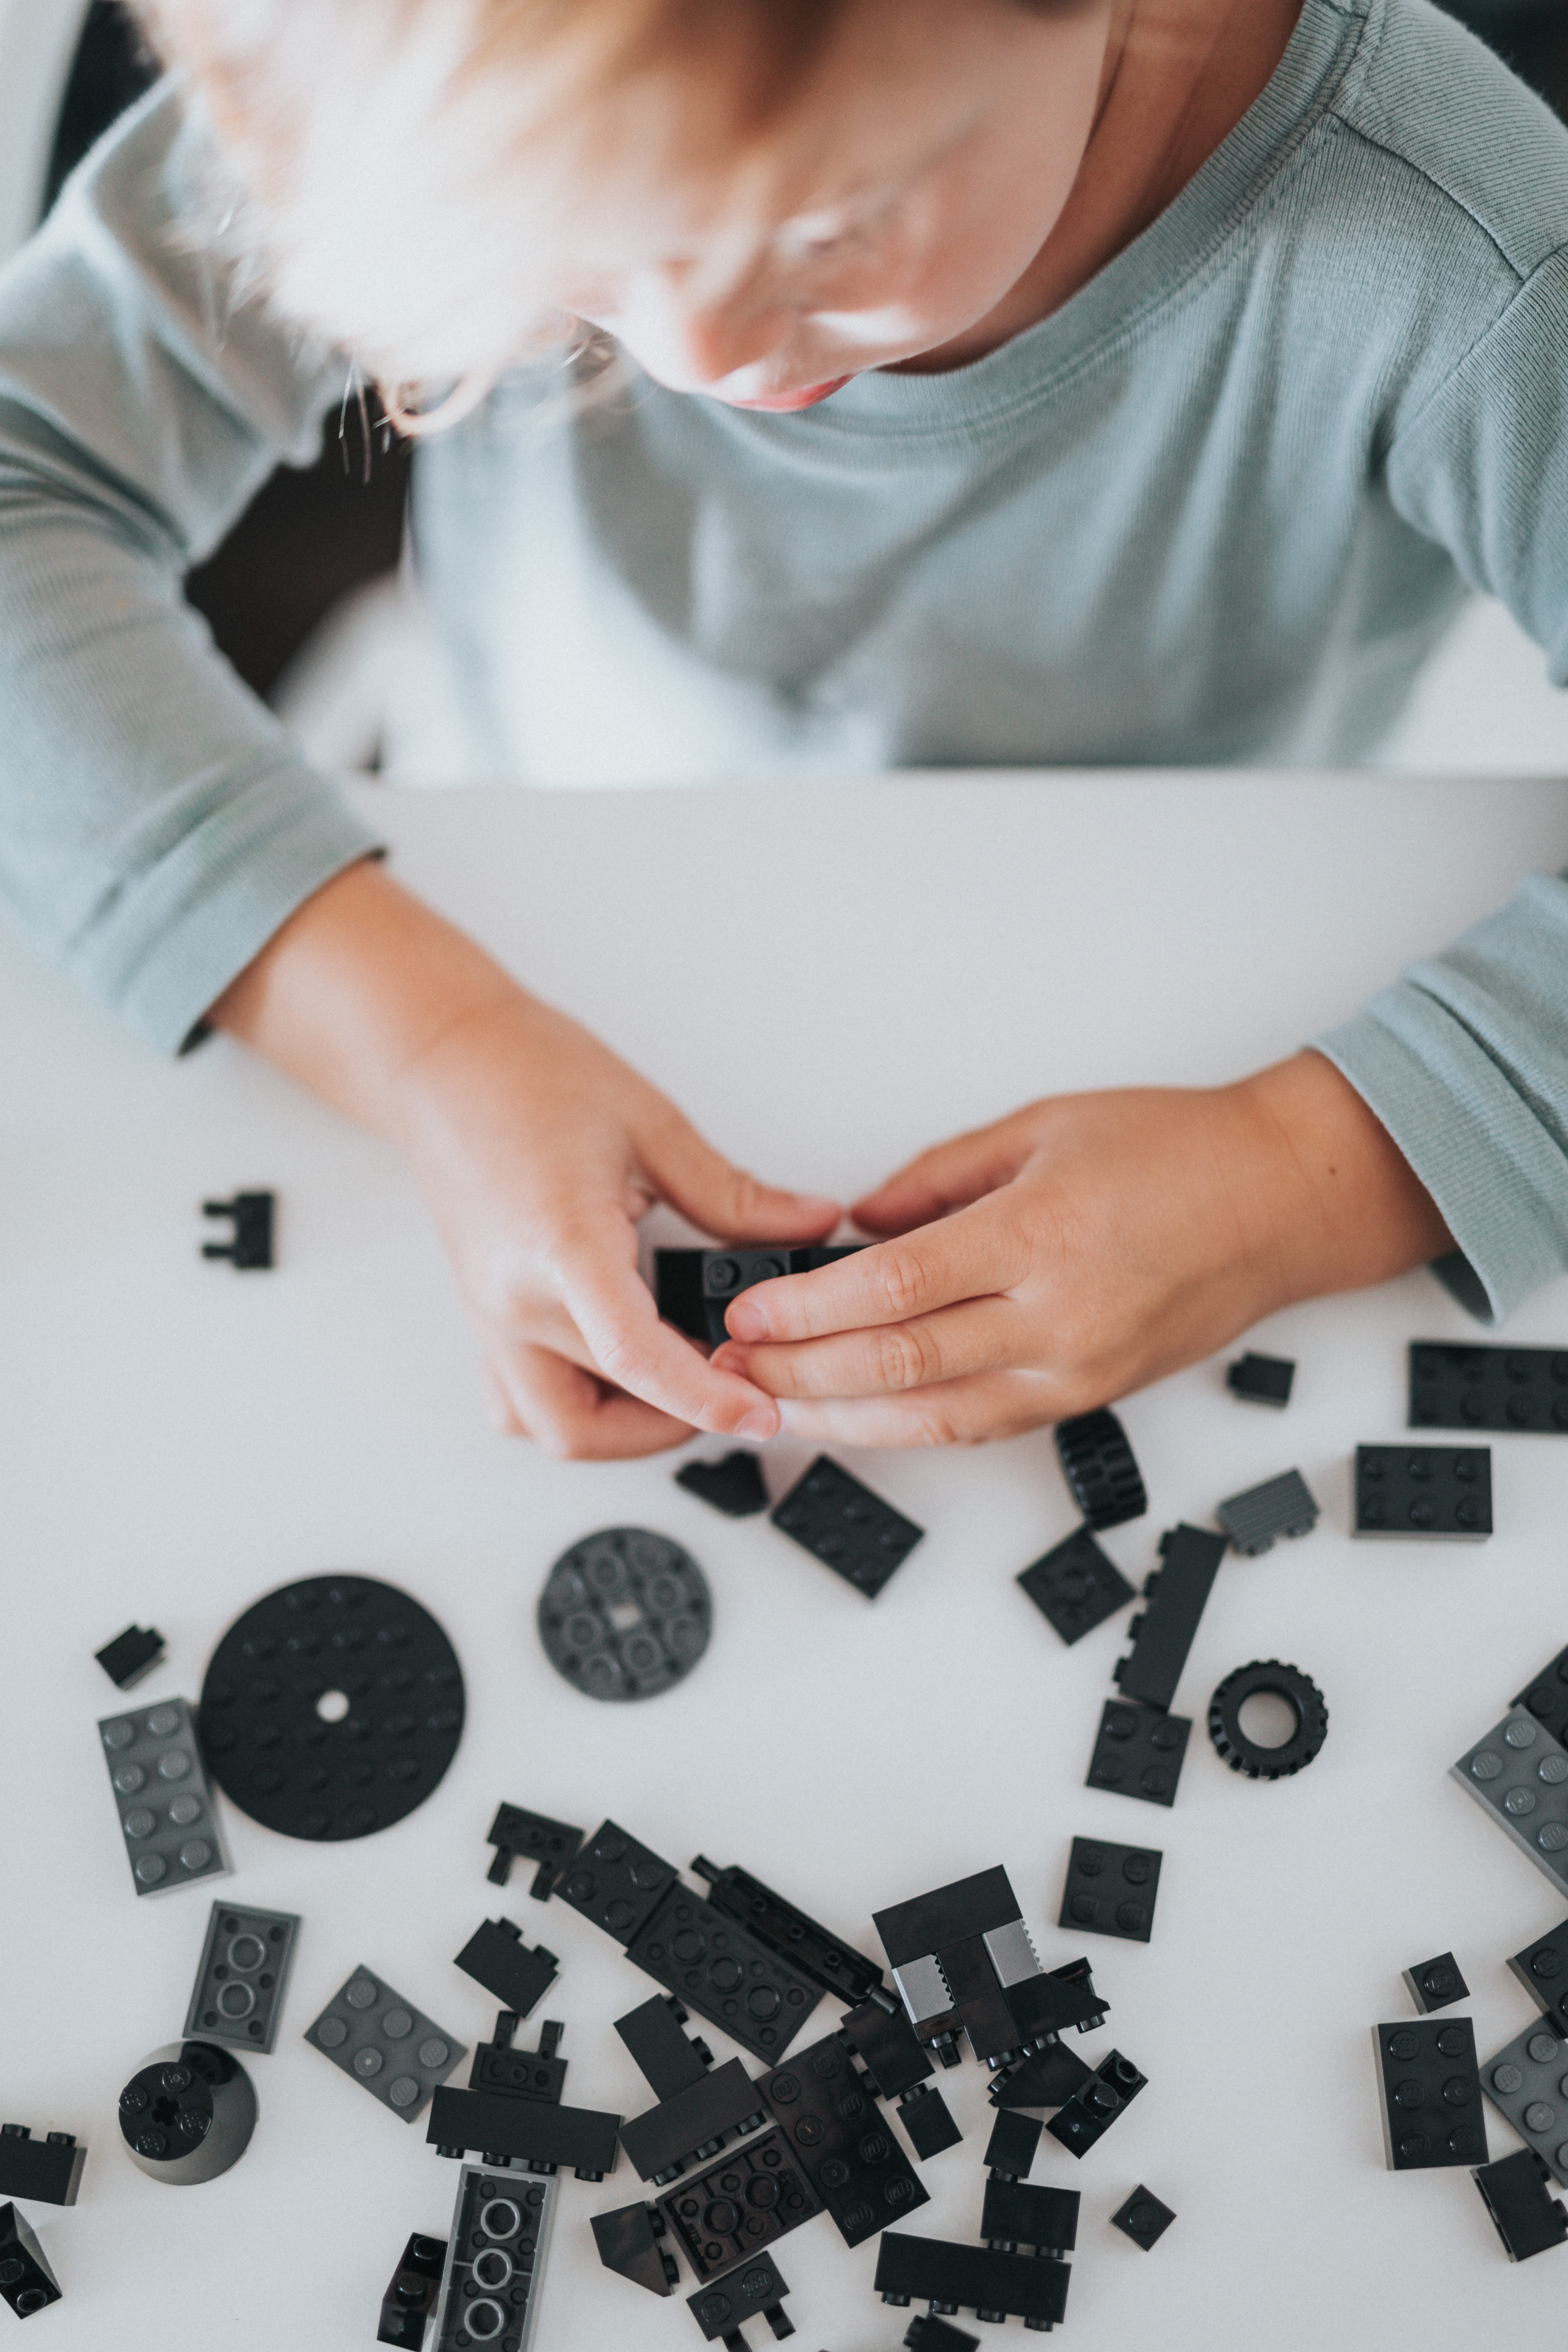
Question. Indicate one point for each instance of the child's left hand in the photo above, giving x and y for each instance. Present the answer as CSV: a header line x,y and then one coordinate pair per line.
x,y
1079,1249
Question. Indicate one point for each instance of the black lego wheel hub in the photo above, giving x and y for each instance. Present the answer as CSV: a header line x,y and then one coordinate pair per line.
x,y
626,1614
331,1709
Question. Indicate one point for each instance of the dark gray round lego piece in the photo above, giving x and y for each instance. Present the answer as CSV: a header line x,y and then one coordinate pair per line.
x,y
270,1749
624,1614
1300,1693
187,2114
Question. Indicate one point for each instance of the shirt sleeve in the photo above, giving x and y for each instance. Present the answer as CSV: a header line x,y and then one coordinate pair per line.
x,y
157,825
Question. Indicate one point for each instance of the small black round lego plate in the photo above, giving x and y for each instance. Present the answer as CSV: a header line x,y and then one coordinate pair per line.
x,y
624,1614
331,1707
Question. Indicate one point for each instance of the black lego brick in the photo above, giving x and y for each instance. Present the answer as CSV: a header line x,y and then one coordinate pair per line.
x,y
1101,1468
845,1525
1261,1380
249,1247
1094,2106
243,1976
971,2278
733,1485
716,1966
928,2119
848,2151
1175,1594
410,2299
1075,1587
131,1654
617,1881
1503,1389
1430,2091
677,1290
887,2047
520,2074
1143,2217
1547,1698
1051,2002
1046,2078
693,1287
495,1956
501,2232
751,2198
1430,1492
1436,1984
1139,1751
813,1951
694,2123
1528,2217
1257,1519
47,2171
951,1915
1013,2145
629,2242
1110,1889
525,2131
26,2282
1543,1969
757,2288
1016,2213
926,2333
669,2059
519,1835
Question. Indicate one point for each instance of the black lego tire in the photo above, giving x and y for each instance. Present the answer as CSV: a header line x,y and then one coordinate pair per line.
x,y
1100,1467
279,1760
1298,1690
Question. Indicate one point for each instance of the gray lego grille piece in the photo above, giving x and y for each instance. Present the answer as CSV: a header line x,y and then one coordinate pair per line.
x,y
237,1997
495,2259
167,1816
384,2042
1521,1775
1280,1507
1528,2082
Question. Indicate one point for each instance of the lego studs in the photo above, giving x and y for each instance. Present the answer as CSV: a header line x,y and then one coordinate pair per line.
x,y
187,2114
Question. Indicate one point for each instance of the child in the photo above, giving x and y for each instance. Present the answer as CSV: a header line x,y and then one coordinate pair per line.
x,y
999,381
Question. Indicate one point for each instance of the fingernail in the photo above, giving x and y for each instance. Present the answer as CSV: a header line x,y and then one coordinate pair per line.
x,y
746,1320
760,1423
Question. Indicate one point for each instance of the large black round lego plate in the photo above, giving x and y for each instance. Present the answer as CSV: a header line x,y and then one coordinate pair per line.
x,y
331,1707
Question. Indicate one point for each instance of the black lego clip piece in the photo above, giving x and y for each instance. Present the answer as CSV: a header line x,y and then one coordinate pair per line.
x,y
251,1247
530,1837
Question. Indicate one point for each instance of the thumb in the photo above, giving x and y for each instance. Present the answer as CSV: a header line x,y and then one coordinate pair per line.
x,y
950,1176
722,1200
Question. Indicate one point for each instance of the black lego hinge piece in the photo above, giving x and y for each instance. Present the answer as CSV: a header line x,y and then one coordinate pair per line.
x,y
1427,1492
694,2123
26,2282
1046,2078
1529,2218
519,1835
628,2242
811,1949
1436,1984
1261,1380
668,2058
1175,1594
1099,1465
1143,2217
520,2074
250,1214
1075,1587
131,1654
971,2278
756,2289
1547,1698
1429,2090
1094,2106
1110,1889
850,2154
733,1485
495,1956
526,2131
47,2170
1016,2213
410,2300
846,1526
1255,1520
1504,1389
755,2195
1139,1751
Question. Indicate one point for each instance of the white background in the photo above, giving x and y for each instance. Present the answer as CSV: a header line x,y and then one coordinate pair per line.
x,y
827,978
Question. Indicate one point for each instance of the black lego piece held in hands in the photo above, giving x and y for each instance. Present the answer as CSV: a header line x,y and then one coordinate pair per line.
x,y
733,1485
249,1248
410,2299
519,1835
1176,1593
1075,1587
692,1289
1261,1380
132,1655
1300,1695
1099,1465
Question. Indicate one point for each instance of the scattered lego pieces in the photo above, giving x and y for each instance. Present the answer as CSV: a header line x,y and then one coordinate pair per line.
x,y
1139,1752
1176,1593
26,2282
331,1707
130,1657
167,1817
187,2112
1099,1465
1143,2217
238,1995
731,2210
1429,1491
848,1527
624,1614
848,2154
1261,1380
1524,2082
1075,1587
756,2289
1543,1969
733,1485
1094,2106
411,2298
1436,1984
46,2172
1256,1519
1300,1695
1528,2217
1110,1889
1517,1389
1031,2287
500,2233
813,1951
1429,2092
398,2054
495,1956
532,1837
250,1250
1547,1698
1520,1775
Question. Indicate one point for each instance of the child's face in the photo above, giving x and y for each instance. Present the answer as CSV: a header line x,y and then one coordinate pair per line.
x,y
920,174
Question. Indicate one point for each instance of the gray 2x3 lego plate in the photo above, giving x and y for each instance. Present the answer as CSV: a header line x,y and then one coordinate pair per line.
x,y
398,2054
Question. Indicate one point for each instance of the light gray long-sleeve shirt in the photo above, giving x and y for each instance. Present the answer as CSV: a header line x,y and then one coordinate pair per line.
x,y
1218,507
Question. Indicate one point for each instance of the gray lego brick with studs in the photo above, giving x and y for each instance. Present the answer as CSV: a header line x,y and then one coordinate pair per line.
x,y
167,1817
399,2054
495,2259
237,1997
1521,1775
1528,2082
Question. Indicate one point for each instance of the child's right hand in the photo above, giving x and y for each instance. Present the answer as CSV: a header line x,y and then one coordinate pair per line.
x,y
537,1149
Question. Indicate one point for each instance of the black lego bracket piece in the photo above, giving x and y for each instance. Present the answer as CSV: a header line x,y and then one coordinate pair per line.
x,y
1261,1380
668,2058
1016,2213
1139,1751
846,1526
1429,1493
1176,1593
693,1287
757,2290
1110,1889
1031,2287
813,1951
410,2300
521,2073
47,2171
132,1655
1143,2217
849,2155
519,1835
495,1956
250,1249
1528,2217
26,2282
1436,1984
1075,1587
694,2124
1094,2106
1521,1390
628,2242
1430,2091
733,1485
1101,1468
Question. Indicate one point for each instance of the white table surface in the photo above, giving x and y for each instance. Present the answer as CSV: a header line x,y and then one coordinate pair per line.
x,y
826,977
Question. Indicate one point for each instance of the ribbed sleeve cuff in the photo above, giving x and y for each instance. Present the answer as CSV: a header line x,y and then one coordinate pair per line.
x,y
191,922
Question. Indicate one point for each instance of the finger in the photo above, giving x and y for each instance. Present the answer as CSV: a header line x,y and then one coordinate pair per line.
x,y
719,1198
948,1176
955,1413
573,1416
614,1310
983,1335
969,1255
